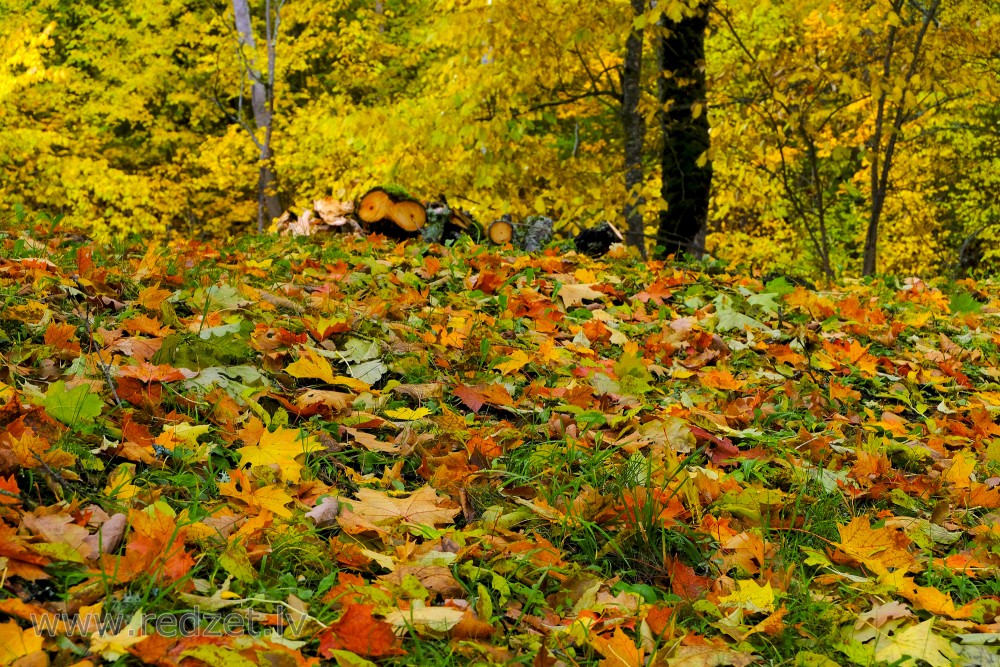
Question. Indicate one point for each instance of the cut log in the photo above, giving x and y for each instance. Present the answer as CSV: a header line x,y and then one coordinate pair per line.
x,y
409,216
461,219
374,205
390,213
501,231
596,241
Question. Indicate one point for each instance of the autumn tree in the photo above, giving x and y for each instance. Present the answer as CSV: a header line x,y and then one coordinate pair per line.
x,y
827,146
123,136
21,58
896,103
140,121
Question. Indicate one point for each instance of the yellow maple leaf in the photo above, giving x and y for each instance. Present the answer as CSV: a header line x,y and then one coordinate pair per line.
x,y
750,596
114,646
151,297
917,642
311,365
266,498
281,449
186,437
272,498
16,643
407,414
120,484
880,549
573,295
960,471
548,352
32,451
928,598
517,361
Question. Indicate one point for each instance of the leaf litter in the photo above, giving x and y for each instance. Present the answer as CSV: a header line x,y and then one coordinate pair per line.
x,y
369,453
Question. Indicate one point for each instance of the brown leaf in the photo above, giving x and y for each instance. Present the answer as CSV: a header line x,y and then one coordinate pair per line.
x,y
325,513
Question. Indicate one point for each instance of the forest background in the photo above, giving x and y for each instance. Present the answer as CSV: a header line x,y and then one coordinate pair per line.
x,y
136,116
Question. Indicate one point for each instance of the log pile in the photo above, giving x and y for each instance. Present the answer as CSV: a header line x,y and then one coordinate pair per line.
x,y
394,213
391,213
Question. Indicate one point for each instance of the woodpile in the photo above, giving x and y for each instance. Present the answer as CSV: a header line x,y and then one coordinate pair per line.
x,y
391,213
394,213
326,215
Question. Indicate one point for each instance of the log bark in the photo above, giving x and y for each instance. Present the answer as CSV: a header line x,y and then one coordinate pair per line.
x,y
539,231
686,184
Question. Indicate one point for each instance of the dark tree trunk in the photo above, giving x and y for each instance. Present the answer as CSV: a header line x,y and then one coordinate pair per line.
x,y
686,185
635,132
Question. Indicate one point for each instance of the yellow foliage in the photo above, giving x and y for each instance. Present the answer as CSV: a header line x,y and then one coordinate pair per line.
x,y
126,121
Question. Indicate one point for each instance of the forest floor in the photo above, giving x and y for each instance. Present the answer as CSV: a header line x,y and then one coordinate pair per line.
x,y
364,452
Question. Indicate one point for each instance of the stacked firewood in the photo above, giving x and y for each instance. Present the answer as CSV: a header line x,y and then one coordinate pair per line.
x,y
394,213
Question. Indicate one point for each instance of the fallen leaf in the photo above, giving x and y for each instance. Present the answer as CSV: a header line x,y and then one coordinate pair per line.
x,y
917,642
421,508
359,632
573,294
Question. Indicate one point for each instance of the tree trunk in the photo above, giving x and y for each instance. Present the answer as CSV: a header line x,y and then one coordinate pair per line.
x,y
880,173
261,94
635,132
686,184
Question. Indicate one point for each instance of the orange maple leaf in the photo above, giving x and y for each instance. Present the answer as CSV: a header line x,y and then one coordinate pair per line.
x,y
619,651
422,507
360,633
878,548
721,378
60,336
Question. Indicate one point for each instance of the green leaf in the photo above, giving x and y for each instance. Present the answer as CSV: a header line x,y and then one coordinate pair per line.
x,y
731,319
963,302
71,406
633,377
766,301
779,286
